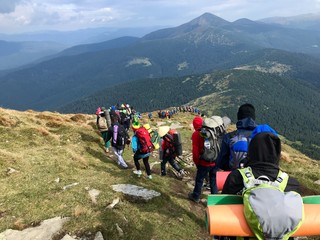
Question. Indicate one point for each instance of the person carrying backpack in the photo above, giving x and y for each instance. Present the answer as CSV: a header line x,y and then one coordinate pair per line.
x,y
170,148
102,125
235,144
119,138
262,169
142,147
204,158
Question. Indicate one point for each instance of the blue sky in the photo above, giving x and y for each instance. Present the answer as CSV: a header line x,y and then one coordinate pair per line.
x,y
33,15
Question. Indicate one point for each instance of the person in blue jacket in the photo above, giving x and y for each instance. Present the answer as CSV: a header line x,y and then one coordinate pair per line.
x,y
234,145
138,155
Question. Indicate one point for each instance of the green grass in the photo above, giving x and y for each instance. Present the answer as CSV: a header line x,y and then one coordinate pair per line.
x,y
43,147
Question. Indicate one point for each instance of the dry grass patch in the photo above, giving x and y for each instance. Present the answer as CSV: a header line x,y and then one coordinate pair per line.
x,y
79,118
7,121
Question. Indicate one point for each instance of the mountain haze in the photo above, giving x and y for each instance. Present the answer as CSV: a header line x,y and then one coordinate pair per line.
x,y
16,54
201,45
304,21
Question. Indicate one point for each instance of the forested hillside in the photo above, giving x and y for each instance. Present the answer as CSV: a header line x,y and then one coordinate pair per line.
x,y
204,44
289,105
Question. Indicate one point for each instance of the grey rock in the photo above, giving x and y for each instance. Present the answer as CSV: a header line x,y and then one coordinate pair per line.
x,y
94,193
98,236
68,237
46,230
136,192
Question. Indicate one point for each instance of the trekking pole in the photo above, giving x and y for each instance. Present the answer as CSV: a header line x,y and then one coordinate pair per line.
x,y
182,160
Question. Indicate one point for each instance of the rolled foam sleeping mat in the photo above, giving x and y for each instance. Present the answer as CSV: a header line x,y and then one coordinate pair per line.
x,y
229,220
221,177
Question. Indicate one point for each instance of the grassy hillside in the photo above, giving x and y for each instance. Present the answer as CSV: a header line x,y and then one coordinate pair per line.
x,y
287,104
50,150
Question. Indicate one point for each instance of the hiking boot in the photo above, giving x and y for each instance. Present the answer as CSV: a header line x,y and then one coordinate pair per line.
x,y
137,172
149,177
191,197
107,150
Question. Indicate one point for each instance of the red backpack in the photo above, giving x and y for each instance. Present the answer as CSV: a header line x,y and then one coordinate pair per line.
x,y
173,139
144,140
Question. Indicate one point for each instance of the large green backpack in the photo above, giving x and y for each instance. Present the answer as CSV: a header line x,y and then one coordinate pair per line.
x,y
270,212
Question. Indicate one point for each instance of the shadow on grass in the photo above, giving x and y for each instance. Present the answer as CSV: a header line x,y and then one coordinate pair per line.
x,y
160,220
90,138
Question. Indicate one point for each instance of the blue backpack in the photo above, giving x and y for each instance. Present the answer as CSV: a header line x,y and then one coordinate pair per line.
x,y
239,142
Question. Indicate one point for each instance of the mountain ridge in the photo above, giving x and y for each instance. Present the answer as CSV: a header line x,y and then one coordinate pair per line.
x,y
192,52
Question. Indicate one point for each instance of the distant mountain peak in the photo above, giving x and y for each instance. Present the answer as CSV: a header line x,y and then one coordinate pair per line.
x,y
208,19
198,25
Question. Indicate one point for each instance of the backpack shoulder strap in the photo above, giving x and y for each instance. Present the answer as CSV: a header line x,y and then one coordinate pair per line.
x,y
282,180
247,176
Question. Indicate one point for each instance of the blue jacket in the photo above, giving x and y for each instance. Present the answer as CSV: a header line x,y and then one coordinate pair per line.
x,y
244,126
135,148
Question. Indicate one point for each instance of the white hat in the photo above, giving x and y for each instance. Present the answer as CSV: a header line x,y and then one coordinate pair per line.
x,y
163,130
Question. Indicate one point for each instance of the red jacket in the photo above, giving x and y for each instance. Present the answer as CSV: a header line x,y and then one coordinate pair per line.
x,y
198,144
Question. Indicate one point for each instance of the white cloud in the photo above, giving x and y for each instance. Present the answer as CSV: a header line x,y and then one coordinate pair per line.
x,y
28,15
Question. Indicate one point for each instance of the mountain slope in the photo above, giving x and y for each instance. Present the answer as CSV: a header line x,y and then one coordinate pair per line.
x,y
304,21
204,44
85,48
289,105
16,54
43,152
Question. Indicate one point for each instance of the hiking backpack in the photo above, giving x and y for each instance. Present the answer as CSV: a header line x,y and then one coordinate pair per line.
x,y
212,130
102,123
173,138
144,139
238,145
155,138
122,136
108,117
270,212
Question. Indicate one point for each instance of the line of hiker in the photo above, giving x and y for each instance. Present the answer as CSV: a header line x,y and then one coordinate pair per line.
x,y
251,153
112,124
168,114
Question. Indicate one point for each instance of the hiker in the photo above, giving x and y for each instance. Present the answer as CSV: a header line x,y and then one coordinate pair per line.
x,y
169,150
102,126
119,138
235,144
150,115
204,167
263,157
262,167
139,153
